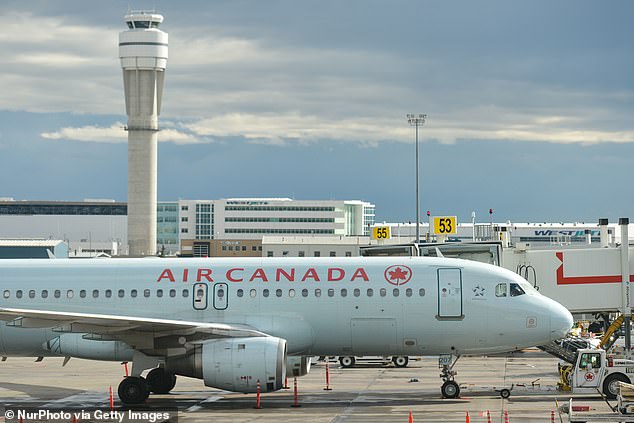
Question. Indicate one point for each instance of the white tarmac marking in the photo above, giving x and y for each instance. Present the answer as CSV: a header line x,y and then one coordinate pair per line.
x,y
199,406
83,400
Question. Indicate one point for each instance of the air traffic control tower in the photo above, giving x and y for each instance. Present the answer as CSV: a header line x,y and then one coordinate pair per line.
x,y
143,54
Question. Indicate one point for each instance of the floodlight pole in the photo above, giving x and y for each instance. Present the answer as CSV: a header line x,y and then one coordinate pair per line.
x,y
416,121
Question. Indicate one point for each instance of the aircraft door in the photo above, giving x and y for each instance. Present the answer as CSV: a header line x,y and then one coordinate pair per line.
x,y
220,296
200,296
450,293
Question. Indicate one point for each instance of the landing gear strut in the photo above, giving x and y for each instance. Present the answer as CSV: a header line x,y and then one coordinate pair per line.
x,y
450,388
133,390
161,381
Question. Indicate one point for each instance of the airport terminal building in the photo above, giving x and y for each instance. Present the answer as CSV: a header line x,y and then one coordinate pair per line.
x,y
226,227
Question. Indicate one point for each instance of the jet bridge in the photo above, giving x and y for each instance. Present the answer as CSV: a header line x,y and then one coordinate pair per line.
x,y
486,252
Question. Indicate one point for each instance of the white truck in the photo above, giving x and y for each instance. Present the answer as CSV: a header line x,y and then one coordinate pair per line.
x,y
595,370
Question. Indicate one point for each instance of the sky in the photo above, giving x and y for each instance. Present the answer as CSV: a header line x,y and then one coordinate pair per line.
x,y
529,105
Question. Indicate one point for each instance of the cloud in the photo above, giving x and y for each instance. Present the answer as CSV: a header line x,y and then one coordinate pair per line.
x,y
275,129
112,134
270,88
116,134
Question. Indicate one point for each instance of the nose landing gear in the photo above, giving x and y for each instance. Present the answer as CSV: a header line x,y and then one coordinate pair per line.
x,y
450,388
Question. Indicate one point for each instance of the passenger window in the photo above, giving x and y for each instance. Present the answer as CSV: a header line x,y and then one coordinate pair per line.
x,y
500,290
304,292
421,292
32,293
159,293
278,292
331,292
221,293
121,293
240,293
82,293
383,292
70,293
185,293
370,292
146,293
134,293
516,290
253,293
318,292
57,293
45,294
291,293
395,292
172,293
356,292
18,293
265,293
95,293
6,293
344,292
108,293
408,292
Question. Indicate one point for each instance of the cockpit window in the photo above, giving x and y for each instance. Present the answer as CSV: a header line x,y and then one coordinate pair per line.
x,y
516,290
500,290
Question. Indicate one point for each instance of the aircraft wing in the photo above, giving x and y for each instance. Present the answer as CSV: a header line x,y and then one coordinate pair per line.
x,y
121,326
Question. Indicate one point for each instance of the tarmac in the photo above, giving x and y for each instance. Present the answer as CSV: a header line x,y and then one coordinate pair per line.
x,y
365,393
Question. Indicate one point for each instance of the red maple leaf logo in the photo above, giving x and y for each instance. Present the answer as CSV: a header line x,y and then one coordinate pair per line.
x,y
398,275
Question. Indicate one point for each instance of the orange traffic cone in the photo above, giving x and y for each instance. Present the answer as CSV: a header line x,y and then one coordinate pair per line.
x,y
489,417
467,418
506,417
411,418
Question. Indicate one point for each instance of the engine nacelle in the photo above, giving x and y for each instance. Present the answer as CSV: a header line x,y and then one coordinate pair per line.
x,y
236,364
297,366
75,345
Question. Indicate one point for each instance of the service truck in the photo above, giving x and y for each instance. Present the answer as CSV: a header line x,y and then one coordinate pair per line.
x,y
595,370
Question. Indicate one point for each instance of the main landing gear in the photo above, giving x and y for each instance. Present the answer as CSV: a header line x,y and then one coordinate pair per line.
x,y
136,389
450,388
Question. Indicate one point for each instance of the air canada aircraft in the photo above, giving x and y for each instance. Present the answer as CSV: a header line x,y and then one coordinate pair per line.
x,y
237,323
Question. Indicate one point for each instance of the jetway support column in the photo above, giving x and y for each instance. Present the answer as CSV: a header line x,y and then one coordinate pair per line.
x,y
625,281
603,228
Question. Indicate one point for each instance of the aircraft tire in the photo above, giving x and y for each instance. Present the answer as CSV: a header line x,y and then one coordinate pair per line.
x,y
133,390
611,385
450,389
160,381
400,360
347,361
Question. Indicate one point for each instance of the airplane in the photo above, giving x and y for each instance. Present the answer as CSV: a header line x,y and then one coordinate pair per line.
x,y
240,323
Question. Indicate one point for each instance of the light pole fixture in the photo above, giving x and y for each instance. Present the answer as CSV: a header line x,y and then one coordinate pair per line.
x,y
417,120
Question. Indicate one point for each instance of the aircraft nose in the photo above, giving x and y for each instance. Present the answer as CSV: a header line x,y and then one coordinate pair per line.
x,y
560,321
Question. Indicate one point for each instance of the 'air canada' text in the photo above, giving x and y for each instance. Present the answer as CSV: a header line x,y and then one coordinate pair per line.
x,y
240,274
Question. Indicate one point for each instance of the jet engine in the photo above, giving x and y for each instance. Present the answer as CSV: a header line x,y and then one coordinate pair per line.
x,y
75,345
235,364
297,366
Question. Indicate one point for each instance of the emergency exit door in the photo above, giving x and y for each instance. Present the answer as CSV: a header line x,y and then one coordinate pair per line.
x,y
200,296
220,296
450,293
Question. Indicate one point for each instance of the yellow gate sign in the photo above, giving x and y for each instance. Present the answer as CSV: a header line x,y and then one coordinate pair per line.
x,y
444,225
381,232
